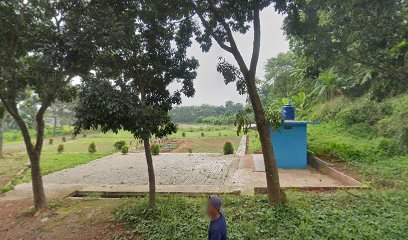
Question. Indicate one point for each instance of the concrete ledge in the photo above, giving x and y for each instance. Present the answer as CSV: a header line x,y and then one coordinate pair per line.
x,y
243,146
106,194
162,190
344,179
263,190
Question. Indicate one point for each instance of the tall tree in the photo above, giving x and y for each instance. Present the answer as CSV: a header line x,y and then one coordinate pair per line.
x,y
283,75
141,50
35,54
219,20
2,116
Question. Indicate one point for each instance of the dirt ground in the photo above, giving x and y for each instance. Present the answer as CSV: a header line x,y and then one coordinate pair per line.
x,y
63,219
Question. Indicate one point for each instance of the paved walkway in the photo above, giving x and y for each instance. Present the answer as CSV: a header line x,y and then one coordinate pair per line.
x,y
184,173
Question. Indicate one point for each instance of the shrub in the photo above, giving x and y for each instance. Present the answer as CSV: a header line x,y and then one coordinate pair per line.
x,y
84,135
228,148
155,149
202,134
124,150
64,139
51,141
190,150
92,148
60,148
183,134
119,145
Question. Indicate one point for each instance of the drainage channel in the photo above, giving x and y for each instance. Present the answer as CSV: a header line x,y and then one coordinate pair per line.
x,y
117,195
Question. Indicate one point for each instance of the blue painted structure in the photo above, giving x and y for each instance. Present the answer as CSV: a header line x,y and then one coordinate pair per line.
x,y
288,112
290,144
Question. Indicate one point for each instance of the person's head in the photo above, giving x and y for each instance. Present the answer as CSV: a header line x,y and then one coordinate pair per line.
x,y
214,209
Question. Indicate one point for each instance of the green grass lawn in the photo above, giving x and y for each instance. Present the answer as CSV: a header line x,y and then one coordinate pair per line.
x,y
339,215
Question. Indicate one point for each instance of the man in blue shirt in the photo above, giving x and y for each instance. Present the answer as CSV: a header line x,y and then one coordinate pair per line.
x,y
218,226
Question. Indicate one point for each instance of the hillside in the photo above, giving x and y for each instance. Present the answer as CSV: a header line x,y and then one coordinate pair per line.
x,y
371,136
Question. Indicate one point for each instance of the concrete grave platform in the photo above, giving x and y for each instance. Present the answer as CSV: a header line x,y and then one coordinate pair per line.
x,y
186,174
318,175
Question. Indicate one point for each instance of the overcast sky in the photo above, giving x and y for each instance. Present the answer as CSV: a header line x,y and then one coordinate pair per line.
x,y
209,85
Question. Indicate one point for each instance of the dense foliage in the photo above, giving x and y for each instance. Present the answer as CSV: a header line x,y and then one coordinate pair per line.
x,y
350,47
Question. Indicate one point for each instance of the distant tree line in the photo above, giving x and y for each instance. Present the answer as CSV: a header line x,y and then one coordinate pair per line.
x,y
207,114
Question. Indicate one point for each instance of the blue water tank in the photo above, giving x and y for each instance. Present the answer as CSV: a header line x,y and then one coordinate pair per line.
x,y
288,112
290,144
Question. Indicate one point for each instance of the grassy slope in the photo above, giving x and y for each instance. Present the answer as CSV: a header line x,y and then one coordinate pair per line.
x,y
367,147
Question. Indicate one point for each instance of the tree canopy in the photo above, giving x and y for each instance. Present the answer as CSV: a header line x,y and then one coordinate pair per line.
x,y
142,52
138,52
363,42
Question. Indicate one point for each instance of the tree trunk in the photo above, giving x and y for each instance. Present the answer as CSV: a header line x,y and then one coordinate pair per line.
x,y
150,170
34,155
275,195
40,200
1,135
54,129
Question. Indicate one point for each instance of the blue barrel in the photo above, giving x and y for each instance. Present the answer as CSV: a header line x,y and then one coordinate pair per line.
x,y
288,112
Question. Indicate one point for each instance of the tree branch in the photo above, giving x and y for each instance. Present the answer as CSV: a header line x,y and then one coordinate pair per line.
x,y
12,109
235,51
217,38
40,127
257,39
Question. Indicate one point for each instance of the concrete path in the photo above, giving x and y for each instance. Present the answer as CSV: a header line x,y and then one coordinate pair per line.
x,y
182,173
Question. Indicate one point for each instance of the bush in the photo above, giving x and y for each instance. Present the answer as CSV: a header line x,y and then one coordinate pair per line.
x,y
202,134
51,141
190,150
119,145
124,150
228,148
183,134
155,149
92,148
60,148
64,139
84,135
